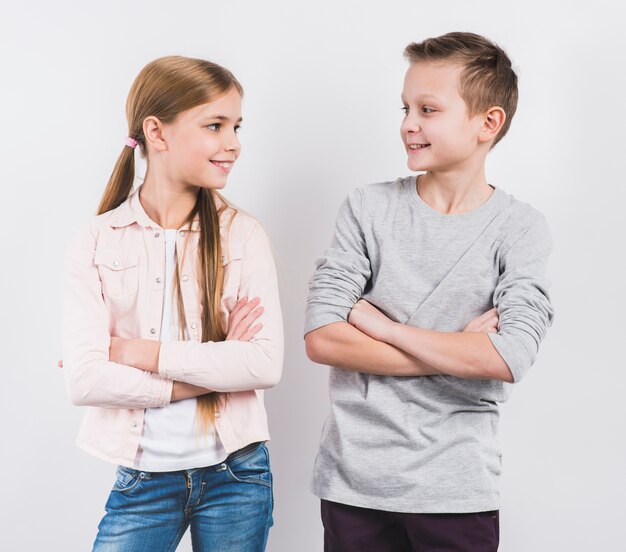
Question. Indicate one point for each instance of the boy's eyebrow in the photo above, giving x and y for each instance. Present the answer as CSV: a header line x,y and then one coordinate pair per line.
x,y
422,97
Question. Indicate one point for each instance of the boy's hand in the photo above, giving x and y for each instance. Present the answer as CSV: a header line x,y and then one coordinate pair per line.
x,y
485,323
368,319
242,317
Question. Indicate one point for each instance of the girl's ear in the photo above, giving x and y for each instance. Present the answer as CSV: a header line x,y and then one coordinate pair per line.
x,y
492,123
153,131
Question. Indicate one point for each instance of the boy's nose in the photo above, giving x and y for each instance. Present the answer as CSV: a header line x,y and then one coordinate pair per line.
x,y
410,126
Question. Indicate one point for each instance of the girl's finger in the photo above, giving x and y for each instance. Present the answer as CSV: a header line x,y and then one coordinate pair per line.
x,y
244,325
251,317
251,332
239,312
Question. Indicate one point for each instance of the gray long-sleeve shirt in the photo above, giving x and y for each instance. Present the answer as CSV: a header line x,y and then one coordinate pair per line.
x,y
426,444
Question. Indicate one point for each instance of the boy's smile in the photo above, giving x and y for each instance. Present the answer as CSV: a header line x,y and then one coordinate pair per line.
x,y
437,133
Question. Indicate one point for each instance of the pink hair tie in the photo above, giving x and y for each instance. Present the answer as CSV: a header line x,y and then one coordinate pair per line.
x,y
131,142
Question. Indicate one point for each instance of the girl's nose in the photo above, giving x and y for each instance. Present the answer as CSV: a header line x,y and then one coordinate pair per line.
x,y
232,144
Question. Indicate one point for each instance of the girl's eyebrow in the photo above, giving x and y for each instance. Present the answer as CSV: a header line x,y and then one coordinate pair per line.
x,y
220,118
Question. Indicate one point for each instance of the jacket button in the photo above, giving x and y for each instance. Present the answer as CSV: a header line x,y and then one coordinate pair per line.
x,y
116,263
152,331
134,425
193,325
157,280
217,414
182,233
185,278
156,234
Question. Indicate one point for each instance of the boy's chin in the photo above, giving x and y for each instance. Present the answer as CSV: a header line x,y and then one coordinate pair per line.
x,y
415,166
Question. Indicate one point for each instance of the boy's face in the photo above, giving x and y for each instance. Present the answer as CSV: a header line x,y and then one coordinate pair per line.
x,y
437,133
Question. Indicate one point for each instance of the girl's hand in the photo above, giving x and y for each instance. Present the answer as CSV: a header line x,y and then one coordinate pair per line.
x,y
485,323
368,319
119,350
242,317
138,353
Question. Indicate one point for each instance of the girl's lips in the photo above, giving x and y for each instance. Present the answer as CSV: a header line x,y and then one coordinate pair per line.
x,y
224,166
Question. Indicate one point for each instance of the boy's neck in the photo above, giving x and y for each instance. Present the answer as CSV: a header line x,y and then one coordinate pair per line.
x,y
454,193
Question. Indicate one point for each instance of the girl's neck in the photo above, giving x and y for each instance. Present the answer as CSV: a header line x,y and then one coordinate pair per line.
x,y
165,203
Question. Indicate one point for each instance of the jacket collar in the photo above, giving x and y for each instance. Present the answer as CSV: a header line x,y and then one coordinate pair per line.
x,y
132,211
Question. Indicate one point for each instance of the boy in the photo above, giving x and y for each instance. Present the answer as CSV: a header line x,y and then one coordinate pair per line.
x,y
409,459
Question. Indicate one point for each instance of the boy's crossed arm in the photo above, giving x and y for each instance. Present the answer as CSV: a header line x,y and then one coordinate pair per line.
x,y
370,342
373,343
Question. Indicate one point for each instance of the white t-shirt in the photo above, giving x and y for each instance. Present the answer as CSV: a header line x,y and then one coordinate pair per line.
x,y
170,440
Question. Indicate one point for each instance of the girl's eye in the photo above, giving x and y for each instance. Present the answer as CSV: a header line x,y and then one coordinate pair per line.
x,y
427,110
405,109
214,126
237,128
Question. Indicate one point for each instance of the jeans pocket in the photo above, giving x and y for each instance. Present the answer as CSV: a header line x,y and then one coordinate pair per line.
x,y
128,478
251,468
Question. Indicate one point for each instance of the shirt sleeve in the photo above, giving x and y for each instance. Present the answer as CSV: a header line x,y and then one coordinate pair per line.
x,y
229,366
91,379
522,299
342,273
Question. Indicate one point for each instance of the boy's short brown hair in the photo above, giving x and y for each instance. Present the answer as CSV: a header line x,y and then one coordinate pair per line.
x,y
487,79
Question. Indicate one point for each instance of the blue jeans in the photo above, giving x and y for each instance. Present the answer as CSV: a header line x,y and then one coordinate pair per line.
x,y
228,506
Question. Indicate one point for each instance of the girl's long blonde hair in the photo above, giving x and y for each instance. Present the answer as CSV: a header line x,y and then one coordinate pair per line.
x,y
163,89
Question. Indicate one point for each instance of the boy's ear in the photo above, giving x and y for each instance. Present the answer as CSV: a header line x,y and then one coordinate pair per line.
x,y
153,131
493,120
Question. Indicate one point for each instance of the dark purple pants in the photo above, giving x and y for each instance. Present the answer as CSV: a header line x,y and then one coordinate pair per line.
x,y
352,529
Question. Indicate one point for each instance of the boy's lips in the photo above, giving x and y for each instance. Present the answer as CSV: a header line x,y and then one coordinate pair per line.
x,y
416,147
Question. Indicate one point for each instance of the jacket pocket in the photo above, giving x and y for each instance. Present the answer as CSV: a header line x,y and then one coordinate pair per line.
x,y
119,273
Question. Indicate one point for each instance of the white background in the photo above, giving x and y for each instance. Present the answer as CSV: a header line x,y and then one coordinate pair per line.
x,y
321,116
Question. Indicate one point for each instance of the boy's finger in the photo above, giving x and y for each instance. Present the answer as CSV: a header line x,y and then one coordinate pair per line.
x,y
487,315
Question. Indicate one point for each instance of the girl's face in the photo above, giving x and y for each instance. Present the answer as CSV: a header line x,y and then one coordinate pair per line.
x,y
202,142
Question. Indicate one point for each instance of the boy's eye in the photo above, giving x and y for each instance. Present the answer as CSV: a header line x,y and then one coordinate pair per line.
x,y
214,126
405,109
237,128
427,110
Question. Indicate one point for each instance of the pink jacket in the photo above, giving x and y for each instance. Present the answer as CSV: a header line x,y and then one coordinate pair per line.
x,y
115,287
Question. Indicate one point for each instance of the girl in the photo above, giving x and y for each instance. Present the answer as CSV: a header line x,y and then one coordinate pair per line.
x,y
160,340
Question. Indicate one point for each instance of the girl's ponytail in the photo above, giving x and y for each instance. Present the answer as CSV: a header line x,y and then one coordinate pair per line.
x,y
121,181
163,89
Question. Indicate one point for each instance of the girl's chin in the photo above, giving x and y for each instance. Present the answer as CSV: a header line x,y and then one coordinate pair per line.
x,y
213,185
